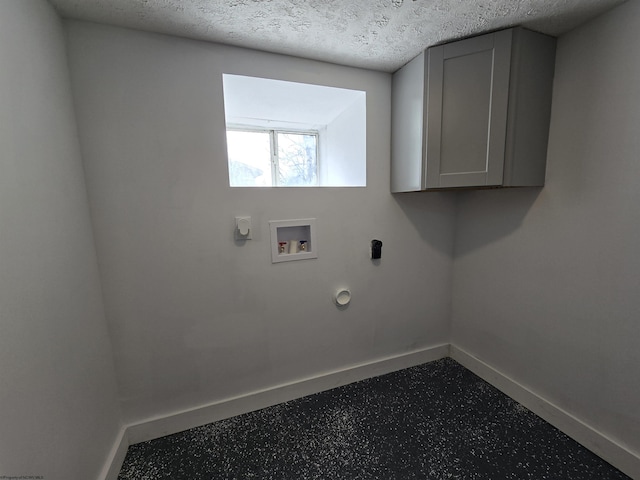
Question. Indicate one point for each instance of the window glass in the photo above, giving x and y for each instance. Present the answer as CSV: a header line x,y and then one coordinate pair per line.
x,y
249,158
297,159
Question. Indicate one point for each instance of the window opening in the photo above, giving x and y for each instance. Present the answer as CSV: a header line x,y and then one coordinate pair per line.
x,y
289,134
272,157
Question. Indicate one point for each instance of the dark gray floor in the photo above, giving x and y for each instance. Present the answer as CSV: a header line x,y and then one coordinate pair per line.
x,y
435,421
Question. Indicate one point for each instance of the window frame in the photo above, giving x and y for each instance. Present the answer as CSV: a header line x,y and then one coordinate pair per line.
x,y
273,143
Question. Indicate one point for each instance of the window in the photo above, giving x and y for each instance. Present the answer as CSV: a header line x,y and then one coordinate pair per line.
x,y
263,158
288,134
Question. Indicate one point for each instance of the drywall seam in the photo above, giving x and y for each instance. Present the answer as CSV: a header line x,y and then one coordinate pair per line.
x,y
184,420
614,453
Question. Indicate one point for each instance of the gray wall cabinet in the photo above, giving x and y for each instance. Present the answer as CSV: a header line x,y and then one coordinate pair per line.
x,y
473,113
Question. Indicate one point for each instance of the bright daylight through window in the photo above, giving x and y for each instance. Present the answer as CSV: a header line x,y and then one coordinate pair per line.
x,y
286,134
272,158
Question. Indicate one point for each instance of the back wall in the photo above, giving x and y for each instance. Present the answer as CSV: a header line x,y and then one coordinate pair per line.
x,y
195,317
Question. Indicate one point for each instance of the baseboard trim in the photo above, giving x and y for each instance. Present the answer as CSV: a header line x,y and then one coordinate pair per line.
x,y
184,420
601,445
116,456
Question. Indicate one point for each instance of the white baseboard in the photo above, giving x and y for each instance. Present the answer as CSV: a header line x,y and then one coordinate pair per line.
x,y
116,456
609,450
618,456
184,420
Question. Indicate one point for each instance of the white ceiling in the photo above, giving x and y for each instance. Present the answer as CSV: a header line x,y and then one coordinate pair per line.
x,y
375,34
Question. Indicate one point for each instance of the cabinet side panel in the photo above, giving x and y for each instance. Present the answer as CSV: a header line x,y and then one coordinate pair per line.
x,y
407,121
499,106
529,108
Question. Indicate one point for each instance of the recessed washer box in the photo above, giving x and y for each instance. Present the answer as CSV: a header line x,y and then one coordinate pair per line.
x,y
293,240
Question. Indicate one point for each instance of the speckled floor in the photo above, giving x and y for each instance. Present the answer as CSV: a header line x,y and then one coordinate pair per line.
x,y
435,421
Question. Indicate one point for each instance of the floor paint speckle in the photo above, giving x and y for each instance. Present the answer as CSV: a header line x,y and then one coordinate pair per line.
x,y
435,421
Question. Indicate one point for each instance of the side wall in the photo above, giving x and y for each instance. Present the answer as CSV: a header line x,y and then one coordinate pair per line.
x,y
196,317
346,141
58,405
546,281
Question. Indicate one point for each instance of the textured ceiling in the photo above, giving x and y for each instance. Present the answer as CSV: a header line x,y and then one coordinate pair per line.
x,y
375,34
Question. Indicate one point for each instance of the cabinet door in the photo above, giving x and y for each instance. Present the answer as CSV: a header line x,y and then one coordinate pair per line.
x,y
468,91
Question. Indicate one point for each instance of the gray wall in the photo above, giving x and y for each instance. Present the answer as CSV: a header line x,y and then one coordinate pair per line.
x,y
196,317
58,405
546,282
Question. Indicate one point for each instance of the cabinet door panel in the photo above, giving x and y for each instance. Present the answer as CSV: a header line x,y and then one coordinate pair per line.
x,y
468,96
466,106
